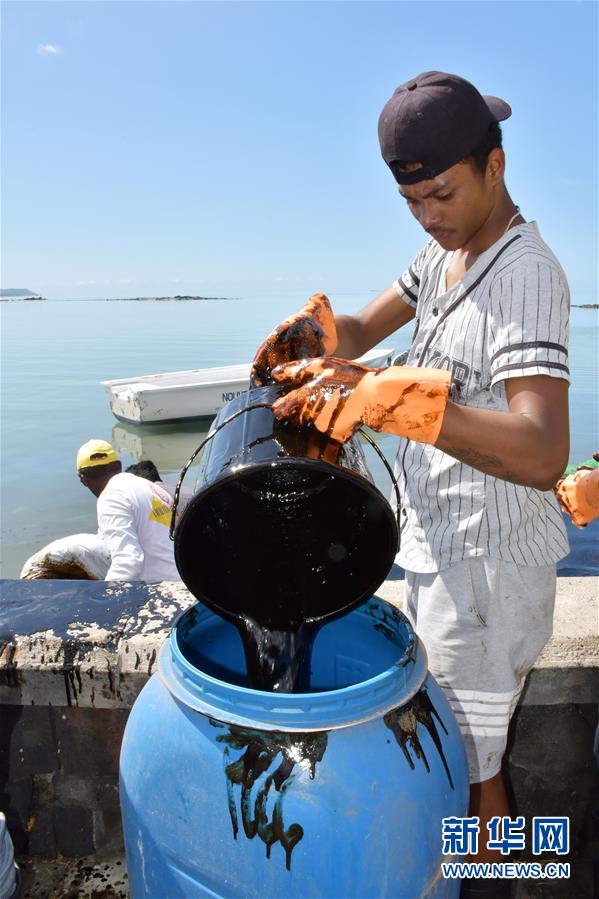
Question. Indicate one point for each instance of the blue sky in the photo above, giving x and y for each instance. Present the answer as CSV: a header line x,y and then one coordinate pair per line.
x,y
229,148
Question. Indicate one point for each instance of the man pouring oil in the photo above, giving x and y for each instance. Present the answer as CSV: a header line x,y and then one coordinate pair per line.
x,y
481,409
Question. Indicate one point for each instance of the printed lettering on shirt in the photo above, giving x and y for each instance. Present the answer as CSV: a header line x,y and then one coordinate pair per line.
x,y
464,377
160,512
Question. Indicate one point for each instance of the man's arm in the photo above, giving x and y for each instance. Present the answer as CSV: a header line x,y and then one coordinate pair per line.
x,y
382,316
527,445
117,528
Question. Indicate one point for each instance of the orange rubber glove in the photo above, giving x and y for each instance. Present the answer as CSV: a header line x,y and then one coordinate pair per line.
x,y
578,495
310,332
338,396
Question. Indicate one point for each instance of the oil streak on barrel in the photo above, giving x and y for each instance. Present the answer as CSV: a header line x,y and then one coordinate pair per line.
x,y
404,721
259,750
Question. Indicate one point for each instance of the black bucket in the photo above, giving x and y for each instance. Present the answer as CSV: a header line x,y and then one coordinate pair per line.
x,y
283,513
286,528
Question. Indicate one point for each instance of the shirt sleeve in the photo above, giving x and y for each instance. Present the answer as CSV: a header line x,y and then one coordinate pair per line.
x,y
528,322
116,525
408,286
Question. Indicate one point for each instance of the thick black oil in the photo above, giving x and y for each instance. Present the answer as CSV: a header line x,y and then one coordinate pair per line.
x,y
286,532
301,339
277,660
279,550
275,555
256,751
30,607
403,723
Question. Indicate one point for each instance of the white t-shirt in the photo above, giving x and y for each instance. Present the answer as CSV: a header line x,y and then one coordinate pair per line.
x,y
512,321
133,520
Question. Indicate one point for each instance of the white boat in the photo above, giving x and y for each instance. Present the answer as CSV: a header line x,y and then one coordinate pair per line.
x,y
199,393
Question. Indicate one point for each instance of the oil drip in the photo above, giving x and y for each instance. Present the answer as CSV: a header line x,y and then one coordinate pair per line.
x,y
404,721
258,751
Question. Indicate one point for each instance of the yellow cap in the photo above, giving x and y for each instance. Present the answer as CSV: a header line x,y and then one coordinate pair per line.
x,y
95,452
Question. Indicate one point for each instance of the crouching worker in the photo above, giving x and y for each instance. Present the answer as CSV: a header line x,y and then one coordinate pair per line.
x,y
133,517
482,530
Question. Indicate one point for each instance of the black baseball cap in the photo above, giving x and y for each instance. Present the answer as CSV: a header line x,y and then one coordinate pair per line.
x,y
435,119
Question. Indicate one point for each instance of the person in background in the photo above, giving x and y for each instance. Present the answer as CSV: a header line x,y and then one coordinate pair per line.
x,y
133,517
481,409
145,468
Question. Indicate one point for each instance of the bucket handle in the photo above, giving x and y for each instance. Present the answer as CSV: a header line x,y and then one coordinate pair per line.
x,y
383,459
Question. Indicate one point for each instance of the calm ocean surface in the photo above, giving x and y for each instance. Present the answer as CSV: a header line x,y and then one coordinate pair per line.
x,y
55,353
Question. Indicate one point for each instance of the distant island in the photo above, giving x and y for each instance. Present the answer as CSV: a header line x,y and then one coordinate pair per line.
x,y
19,293
585,305
175,299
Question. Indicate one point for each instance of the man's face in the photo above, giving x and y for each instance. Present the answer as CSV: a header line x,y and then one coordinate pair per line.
x,y
454,206
96,478
88,482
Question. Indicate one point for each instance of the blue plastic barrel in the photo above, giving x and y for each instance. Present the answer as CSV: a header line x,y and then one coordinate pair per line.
x,y
340,792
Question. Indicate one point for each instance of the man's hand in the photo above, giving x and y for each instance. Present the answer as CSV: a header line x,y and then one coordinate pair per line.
x,y
338,396
310,332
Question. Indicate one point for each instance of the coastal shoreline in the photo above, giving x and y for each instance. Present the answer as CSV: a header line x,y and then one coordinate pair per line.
x,y
175,299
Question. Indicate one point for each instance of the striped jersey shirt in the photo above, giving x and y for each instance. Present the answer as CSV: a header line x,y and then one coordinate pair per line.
x,y
506,318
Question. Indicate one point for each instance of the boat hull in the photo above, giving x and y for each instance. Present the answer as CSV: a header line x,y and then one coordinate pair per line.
x,y
174,404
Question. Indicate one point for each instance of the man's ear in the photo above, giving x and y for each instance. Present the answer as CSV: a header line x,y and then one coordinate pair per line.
x,y
495,169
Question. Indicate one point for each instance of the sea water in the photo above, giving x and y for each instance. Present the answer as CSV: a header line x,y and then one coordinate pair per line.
x,y
55,353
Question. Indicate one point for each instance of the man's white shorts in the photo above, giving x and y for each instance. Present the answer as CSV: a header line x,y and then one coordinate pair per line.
x,y
483,623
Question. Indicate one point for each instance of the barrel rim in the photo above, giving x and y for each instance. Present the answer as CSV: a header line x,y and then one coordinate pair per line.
x,y
262,710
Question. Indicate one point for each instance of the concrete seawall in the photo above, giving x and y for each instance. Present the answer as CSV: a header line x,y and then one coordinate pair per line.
x,y
75,654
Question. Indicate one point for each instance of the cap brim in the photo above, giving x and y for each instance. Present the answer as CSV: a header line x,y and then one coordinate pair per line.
x,y
499,108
